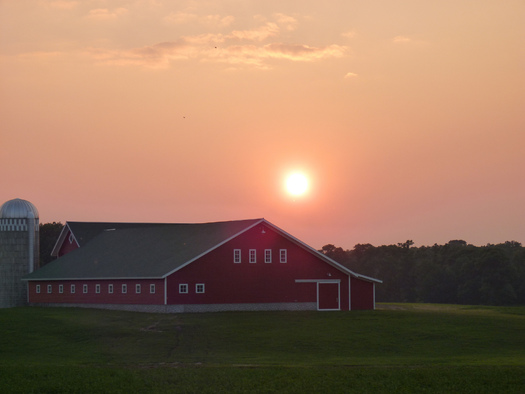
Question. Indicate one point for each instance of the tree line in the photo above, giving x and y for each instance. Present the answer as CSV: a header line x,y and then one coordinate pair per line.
x,y
454,273
48,235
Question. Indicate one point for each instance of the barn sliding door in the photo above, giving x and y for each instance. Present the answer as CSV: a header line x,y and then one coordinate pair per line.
x,y
328,296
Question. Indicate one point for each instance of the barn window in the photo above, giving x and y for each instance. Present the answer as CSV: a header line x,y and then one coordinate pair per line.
x,y
49,289
73,289
253,256
267,255
199,288
152,289
236,255
183,288
84,289
124,289
97,289
137,288
283,256
37,289
71,238
110,288
60,289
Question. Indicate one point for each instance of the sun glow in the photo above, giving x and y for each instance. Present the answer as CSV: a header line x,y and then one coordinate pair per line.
x,y
297,184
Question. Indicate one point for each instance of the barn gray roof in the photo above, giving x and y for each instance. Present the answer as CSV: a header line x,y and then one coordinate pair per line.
x,y
126,250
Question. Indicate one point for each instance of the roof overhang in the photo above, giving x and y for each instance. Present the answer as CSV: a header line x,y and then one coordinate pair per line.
x,y
318,254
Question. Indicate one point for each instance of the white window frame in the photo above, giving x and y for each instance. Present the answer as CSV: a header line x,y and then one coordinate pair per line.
x,y
49,289
60,289
97,288
138,288
37,289
283,255
110,288
237,256
71,238
253,256
85,289
267,256
183,288
200,288
73,289
152,288
124,288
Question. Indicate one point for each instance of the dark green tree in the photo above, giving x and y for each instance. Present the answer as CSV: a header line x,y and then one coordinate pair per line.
x,y
335,253
49,233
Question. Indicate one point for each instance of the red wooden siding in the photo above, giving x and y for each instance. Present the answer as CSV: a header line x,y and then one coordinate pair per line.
x,y
104,297
328,296
227,282
67,246
362,294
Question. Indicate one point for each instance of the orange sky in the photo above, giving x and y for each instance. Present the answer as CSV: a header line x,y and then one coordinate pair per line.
x,y
408,116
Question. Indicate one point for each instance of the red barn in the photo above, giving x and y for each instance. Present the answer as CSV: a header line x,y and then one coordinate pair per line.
x,y
233,265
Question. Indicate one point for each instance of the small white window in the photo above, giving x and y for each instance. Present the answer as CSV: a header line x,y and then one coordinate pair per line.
x,y
71,238
199,288
253,256
183,288
60,289
110,288
49,289
137,289
37,289
85,289
97,288
236,255
152,289
283,257
73,289
267,255
124,289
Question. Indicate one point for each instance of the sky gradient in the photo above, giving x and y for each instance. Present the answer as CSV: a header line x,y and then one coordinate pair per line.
x,y
408,117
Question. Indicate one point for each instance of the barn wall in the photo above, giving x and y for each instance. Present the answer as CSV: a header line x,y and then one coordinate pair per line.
x,y
362,294
91,297
227,282
67,246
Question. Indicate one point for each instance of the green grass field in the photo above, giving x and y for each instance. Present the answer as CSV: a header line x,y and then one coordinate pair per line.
x,y
398,348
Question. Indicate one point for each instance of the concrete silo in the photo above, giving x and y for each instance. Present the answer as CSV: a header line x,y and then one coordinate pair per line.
x,y
19,250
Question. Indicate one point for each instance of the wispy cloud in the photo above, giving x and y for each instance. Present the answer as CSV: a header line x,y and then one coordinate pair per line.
x,y
401,39
290,23
303,52
104,13
217,21
350,75
155,56
161,55
252,47
349,34
406,40
259,34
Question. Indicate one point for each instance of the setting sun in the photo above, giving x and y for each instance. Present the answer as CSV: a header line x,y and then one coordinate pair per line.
x,y
297,184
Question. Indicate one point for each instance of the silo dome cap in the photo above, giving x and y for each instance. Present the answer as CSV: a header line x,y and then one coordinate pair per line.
x,y
18,209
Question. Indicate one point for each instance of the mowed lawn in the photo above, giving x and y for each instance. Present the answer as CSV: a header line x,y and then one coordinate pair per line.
x,y
398,348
